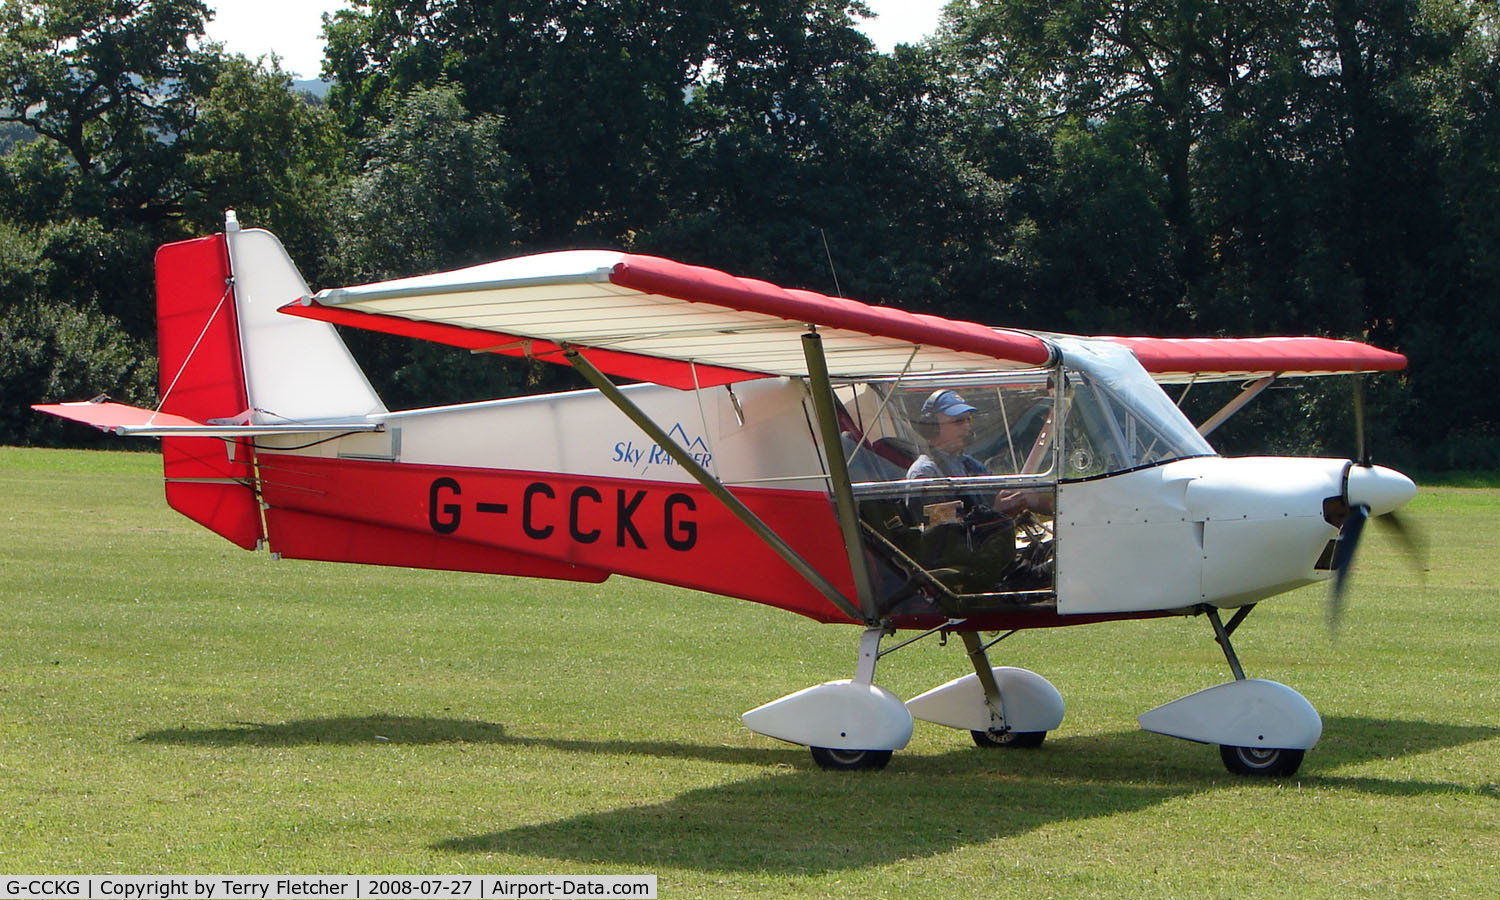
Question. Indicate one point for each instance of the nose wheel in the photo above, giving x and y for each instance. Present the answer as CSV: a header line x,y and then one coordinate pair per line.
x,y
1265,762
1262,729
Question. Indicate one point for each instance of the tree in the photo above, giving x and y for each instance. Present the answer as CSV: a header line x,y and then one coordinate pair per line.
x,y
431,195
830,167
110,86
266,150
51,349
121,136
1289,157
595,95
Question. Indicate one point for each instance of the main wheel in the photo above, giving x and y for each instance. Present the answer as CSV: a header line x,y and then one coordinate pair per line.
x,y
1009,740
1265,762
848,760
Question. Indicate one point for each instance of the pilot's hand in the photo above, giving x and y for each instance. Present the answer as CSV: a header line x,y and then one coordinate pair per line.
x,y
1013,503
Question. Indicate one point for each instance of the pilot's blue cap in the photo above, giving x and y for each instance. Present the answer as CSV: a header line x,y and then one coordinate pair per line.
x,y
947,403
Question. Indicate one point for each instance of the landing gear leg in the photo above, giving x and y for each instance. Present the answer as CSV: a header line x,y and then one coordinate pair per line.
x,y
1222,633
864,675
998,707
998,734
1261,727
1267,762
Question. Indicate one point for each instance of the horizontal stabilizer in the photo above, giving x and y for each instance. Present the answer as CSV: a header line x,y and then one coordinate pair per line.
x,y
134,421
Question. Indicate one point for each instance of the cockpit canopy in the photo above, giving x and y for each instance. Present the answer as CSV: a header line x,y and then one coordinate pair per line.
x,y
1114,419
1118,418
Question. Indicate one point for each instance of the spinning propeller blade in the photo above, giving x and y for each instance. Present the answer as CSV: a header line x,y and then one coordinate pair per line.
x,y
1409,541
1369,490
1343,560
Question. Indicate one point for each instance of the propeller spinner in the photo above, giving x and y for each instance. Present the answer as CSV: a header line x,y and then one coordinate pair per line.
x,y
1369,490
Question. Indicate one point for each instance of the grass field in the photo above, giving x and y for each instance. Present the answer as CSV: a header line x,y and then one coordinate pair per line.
x,y
171,704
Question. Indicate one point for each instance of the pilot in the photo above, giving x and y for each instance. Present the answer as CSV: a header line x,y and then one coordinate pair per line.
x,y
946,423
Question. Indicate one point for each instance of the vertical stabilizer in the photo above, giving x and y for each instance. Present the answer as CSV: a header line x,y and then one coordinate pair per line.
x,y
226,354
296,370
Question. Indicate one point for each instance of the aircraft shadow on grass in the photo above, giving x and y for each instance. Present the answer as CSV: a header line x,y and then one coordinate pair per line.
x,y
417,730
799,820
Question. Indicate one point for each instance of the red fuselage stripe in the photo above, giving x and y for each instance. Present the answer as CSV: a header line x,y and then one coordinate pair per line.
x,y
662,531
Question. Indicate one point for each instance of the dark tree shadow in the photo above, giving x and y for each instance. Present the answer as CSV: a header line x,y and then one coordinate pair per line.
x,y
807,821
348,730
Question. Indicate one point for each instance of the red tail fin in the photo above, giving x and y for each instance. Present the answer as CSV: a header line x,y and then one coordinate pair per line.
x,y
203,377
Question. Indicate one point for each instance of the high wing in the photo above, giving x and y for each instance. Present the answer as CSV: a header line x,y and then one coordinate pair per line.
x,y
653,319
1182,360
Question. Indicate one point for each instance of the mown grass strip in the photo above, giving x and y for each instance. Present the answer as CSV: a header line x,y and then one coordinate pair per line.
x,y
169,703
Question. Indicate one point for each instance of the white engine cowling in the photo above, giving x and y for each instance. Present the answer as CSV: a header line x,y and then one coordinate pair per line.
x,y
1250,713
839,715
1031,702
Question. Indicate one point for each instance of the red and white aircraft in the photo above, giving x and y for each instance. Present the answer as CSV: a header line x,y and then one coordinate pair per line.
x,y
852,463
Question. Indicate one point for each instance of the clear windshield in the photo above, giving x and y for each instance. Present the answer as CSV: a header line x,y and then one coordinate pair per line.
x,y
966,427
955,480
1118,419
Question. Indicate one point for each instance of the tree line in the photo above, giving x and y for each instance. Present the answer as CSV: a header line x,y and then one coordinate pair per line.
x,y
1164,167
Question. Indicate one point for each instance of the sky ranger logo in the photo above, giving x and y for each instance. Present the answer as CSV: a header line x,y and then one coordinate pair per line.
x,y
641,457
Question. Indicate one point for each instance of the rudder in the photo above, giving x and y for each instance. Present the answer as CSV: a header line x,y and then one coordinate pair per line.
x,y
202,377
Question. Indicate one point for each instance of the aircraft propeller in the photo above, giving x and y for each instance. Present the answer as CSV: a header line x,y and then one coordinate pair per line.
x,y
1369,490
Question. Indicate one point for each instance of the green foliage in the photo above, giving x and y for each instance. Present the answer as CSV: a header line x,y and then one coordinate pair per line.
x,y
51,352
55,349
1170,167
110,86
837,171
430,194
596,97
266,151
120,136
1265,168
593,94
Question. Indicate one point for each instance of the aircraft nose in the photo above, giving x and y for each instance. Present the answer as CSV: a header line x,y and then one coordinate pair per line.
x,y
1379,489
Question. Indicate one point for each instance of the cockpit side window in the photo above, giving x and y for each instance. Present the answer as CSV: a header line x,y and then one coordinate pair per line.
x,y
955,480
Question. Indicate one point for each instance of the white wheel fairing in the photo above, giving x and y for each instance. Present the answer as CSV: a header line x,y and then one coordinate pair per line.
x,y
1253,713
838,715
1031,702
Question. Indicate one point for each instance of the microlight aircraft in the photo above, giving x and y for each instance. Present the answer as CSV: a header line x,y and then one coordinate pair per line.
x,y
780,446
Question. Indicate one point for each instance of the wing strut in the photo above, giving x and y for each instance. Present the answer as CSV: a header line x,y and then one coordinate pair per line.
x,y
838,469
1251,391
711,484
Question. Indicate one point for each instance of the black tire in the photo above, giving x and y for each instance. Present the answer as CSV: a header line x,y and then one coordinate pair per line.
x,y
1010,740
849,760
1261,762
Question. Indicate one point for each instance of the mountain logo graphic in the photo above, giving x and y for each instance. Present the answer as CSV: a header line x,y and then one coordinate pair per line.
x,y
691,445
